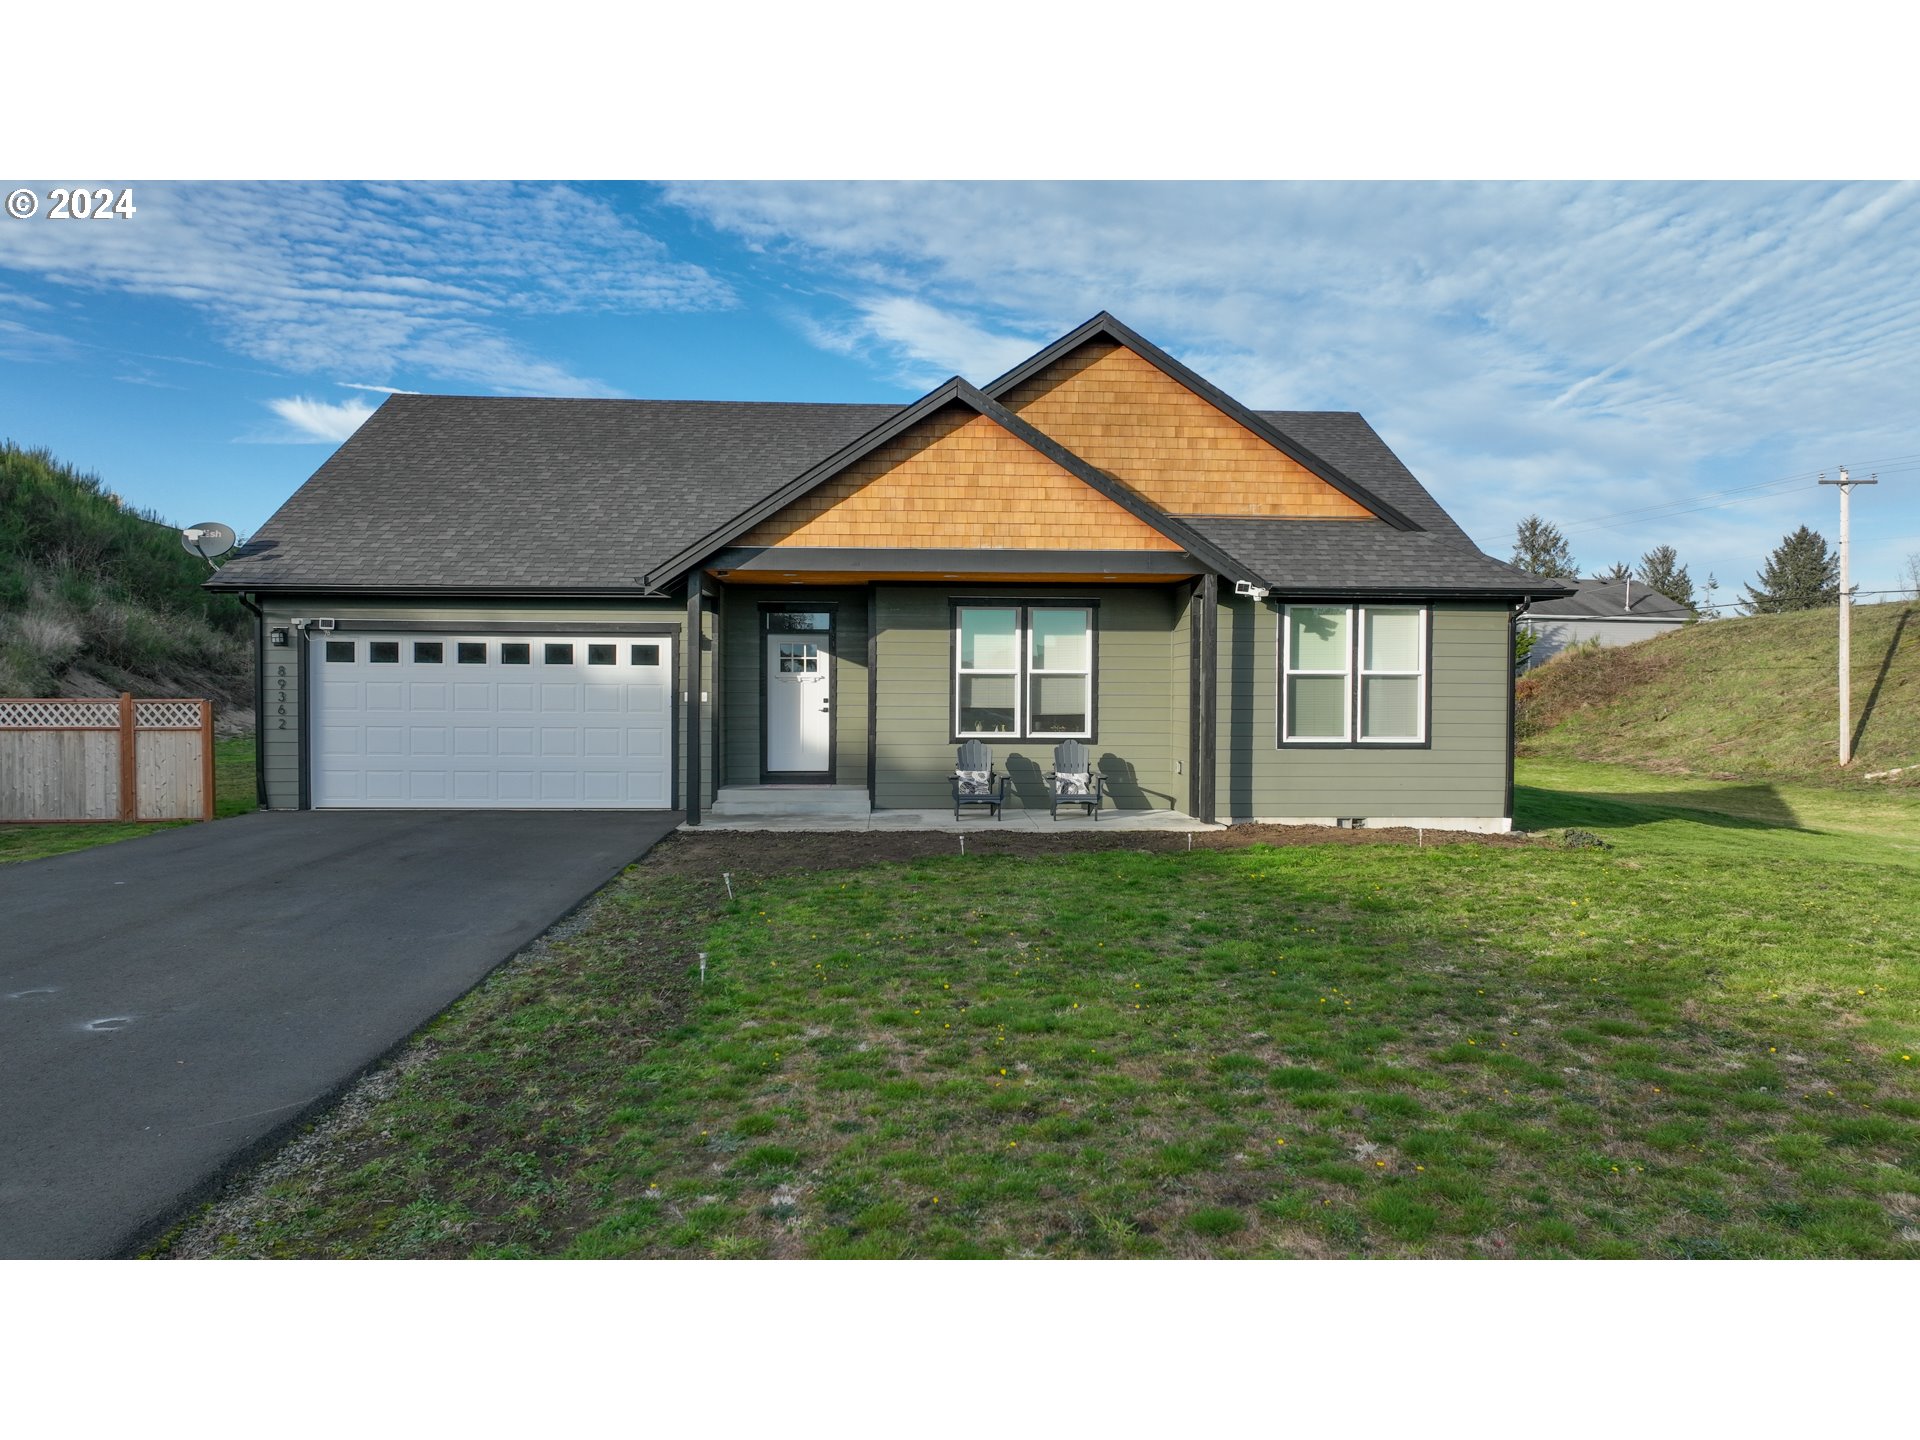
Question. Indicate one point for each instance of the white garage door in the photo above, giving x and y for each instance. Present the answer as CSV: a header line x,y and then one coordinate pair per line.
x,y
492,722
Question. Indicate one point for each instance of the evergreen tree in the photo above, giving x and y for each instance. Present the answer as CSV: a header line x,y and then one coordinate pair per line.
x,y
1539,547
1660,569
1801,574
1620,571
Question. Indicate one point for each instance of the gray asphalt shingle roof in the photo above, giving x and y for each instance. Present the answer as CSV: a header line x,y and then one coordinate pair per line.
x,y
481,493
485,493
1612,600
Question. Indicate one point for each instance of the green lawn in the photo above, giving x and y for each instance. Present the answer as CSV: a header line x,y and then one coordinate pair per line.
x,y
233,794
1701,1040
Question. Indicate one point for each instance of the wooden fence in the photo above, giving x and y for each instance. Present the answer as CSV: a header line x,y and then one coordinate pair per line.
x,y
93,760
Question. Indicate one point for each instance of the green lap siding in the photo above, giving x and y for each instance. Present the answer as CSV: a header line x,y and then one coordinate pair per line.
x,y
279,733
1461,774
1139,688
741,658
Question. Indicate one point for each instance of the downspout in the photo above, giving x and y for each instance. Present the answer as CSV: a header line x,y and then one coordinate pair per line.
x,y
259,700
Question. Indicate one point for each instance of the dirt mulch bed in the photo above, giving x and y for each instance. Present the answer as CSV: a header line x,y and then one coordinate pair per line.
x,y
773,852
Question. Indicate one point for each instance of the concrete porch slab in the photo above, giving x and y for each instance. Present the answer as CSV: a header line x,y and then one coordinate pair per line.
x,y
941,821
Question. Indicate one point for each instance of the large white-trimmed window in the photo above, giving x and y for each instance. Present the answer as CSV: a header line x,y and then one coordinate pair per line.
x,y
1023,672
1353,674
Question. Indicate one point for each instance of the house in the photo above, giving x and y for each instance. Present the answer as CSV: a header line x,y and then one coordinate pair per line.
x,y
1613,612
489,602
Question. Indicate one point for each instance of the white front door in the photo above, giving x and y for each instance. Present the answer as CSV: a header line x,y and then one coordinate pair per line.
x,y
799,666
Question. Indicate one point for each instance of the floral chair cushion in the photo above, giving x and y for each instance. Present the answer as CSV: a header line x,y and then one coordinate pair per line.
x,y
1073,784
972,782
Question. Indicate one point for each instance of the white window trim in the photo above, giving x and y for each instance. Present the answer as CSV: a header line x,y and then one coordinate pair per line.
x,y
1418,675
1085,674
1023,672
961,671
1287,673
1354,674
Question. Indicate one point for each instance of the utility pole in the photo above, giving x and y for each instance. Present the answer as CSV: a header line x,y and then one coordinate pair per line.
x,y
1846,484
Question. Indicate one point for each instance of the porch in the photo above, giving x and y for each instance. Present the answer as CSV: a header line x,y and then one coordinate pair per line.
x,y
841,807
842,706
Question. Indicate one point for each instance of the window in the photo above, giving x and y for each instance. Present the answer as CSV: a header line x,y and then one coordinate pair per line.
x,y
557,655
429,652
1353,674
799,659
514,653
383,652
1023,671
339,652
646,654
1392,679
471,652
1059,672
603,654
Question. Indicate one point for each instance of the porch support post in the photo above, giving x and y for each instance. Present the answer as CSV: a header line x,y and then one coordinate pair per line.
x,y
696,599
1206,695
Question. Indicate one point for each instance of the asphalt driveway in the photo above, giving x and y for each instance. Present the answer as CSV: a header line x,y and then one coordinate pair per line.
x,y
171,1005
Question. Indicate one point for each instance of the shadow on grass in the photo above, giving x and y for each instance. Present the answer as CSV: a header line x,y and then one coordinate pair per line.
x,y
1737,807
1880,680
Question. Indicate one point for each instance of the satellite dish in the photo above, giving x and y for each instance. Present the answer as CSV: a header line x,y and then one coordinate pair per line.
x,y
208,539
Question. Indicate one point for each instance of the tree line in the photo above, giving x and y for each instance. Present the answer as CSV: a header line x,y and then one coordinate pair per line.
x,y
1802,573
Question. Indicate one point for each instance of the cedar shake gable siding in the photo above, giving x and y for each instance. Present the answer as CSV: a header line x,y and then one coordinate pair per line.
x,y
1172,447
957,481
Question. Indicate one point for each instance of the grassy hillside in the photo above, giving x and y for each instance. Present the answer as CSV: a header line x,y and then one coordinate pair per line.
x,y
96,598
1747,698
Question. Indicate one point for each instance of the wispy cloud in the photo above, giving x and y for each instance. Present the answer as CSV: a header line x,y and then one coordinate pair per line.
x,y
924,343
310,421
379,280
1578,349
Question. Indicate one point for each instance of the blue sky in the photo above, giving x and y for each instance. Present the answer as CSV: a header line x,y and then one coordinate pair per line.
x,y
1613,356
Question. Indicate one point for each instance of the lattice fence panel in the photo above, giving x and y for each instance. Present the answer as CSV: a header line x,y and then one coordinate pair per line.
x,y
62,715
166,715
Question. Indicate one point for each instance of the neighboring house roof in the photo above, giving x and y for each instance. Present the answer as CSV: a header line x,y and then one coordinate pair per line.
x,y
515,495
1610,600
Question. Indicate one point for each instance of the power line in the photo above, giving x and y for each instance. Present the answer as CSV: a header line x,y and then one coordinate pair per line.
x,y
1717,499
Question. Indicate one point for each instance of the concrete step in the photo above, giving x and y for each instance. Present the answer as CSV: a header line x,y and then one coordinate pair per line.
x,y
801,800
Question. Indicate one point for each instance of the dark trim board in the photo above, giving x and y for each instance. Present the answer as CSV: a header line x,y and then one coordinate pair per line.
x,y
802,607
691,704
1206,717
636,591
